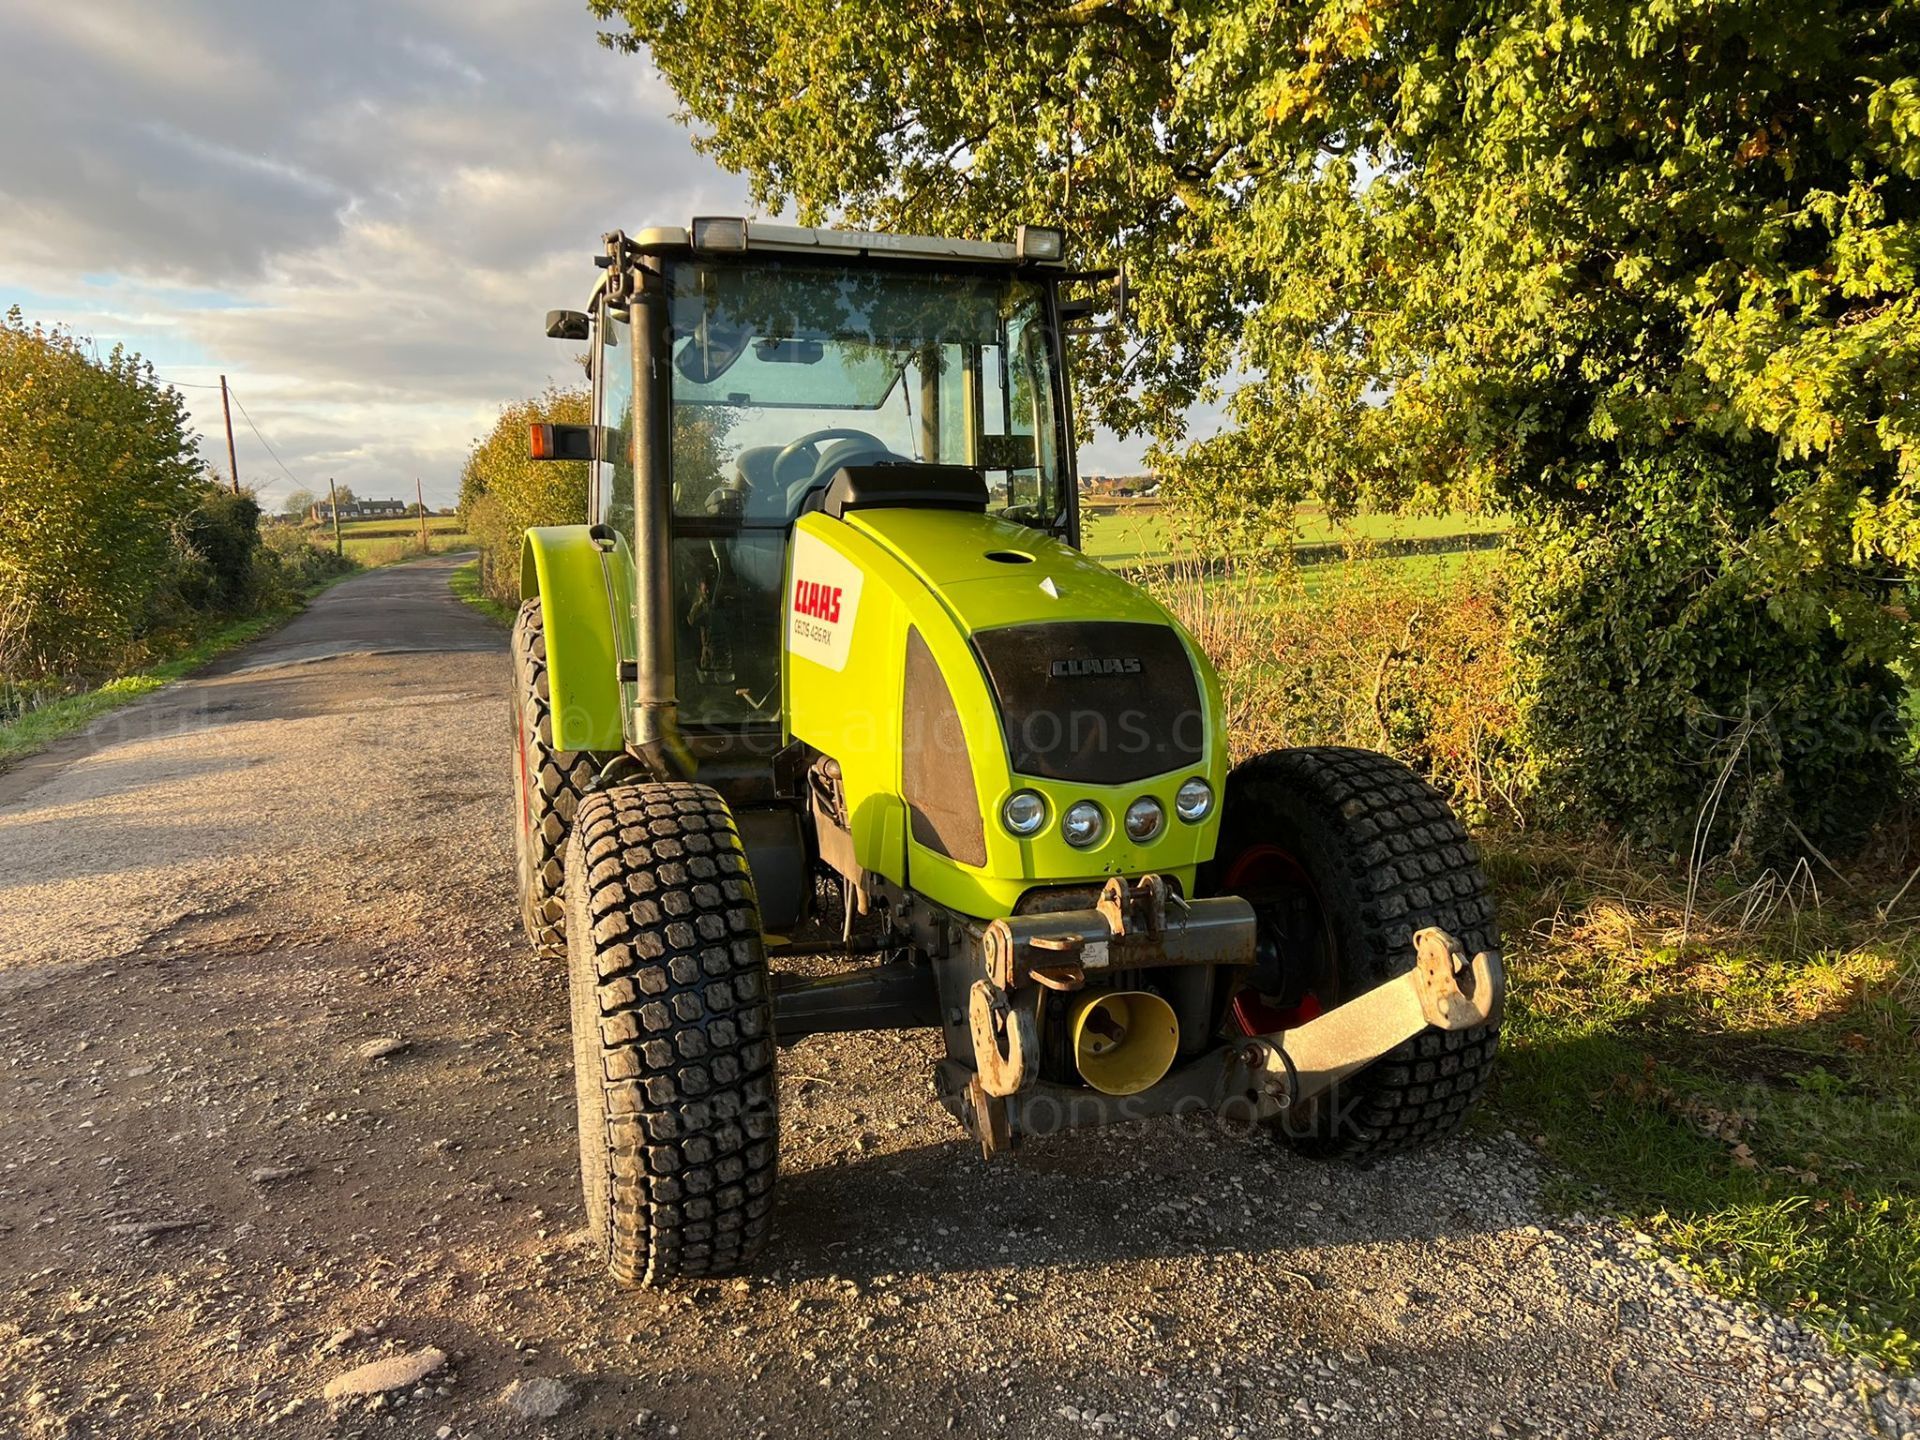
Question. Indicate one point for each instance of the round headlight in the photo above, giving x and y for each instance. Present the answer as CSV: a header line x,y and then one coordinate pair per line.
x,y
1024,813
1083,824
1144,819
1194,800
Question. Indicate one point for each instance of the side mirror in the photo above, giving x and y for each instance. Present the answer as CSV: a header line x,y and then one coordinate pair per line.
x,y
1075,314
566,325
560,442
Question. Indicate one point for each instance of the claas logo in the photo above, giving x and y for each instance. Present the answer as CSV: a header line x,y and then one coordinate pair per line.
x,y
817,601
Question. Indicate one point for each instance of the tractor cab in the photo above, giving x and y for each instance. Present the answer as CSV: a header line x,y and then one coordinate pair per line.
x,y
738,369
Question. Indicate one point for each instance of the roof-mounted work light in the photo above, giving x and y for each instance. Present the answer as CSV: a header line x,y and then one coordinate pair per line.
x,y
1040,242
719,232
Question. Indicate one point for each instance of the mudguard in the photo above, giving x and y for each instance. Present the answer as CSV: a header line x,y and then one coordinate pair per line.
x,y
576,584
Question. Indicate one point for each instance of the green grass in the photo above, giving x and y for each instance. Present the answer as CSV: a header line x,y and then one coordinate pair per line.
x,y
376,550
436,524
465,583
1139,530
41,726
1748,1095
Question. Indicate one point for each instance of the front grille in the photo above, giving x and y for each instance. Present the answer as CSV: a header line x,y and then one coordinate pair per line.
x,y
1098,702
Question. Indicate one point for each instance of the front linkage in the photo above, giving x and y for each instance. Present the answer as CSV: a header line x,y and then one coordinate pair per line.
x,y
1257,1079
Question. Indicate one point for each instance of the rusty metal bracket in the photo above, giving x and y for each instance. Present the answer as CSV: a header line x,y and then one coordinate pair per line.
x,y
992,1126
1128,928
1006,1039
1444,991
1139,911
1457,993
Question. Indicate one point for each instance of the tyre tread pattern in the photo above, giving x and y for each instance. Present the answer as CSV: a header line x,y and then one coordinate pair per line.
x,y
669,951
1410,863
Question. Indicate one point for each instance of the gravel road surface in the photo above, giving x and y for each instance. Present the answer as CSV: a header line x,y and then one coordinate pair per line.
x,y
285,1097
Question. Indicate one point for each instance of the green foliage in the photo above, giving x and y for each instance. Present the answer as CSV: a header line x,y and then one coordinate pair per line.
x,y
300,560
215,545
97,476
503,492
1665,686
1557,260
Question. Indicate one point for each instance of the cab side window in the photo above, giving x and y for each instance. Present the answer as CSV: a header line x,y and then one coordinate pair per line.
x,y
613,385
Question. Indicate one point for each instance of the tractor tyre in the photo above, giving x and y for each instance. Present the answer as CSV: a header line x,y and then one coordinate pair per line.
x,y
672,1034
1345,854
547,788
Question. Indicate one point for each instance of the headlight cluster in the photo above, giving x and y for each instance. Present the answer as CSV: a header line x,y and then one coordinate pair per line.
x,y
1083,824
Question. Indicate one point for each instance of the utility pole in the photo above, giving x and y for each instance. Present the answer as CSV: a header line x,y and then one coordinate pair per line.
x,y
233,465
333,503
420,503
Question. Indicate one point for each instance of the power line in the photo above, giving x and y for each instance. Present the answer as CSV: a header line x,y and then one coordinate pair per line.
x,y
261,438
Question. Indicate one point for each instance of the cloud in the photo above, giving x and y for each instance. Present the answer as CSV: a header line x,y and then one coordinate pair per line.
x,y
358,211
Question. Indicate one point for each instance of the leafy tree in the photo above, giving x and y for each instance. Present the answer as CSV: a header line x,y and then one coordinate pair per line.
x,y
297,505
503,491
1642,276
344,494
98,473
216,544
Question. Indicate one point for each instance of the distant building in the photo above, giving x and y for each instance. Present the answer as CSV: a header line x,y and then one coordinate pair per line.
x,y
1119,486
322,513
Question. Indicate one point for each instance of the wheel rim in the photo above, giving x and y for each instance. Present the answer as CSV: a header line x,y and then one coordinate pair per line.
x,y
1286,907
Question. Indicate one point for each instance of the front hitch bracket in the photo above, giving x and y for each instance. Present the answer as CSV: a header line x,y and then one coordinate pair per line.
x,y
1445,990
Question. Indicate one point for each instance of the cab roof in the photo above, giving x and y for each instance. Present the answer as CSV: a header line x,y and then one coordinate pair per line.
x,y
798,239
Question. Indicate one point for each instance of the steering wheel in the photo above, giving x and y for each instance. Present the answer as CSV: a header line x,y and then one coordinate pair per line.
x,y
811,442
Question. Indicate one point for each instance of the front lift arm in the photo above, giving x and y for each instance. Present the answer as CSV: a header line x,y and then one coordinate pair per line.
x,y
1445,990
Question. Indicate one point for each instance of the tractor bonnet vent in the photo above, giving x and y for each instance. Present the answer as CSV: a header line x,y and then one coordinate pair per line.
x,y
905,486
1099,702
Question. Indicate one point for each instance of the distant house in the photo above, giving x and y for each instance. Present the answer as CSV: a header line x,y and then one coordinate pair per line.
x,y
1118,486
322,513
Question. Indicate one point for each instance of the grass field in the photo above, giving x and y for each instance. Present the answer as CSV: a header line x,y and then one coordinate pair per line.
x,y
1138,530
375,550
383,529
387,542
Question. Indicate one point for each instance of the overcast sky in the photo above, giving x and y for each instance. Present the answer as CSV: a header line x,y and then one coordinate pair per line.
x,y
358,211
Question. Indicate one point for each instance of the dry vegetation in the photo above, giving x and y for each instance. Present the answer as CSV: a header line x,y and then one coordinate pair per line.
x,y
1406,656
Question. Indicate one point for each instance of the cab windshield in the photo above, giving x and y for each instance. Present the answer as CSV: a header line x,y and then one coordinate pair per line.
x,y
783,372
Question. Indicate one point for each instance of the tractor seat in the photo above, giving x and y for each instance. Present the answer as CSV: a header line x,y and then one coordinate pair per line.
x,y
754,466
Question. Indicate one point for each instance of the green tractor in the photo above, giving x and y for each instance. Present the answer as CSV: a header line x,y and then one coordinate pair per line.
x,y
826,675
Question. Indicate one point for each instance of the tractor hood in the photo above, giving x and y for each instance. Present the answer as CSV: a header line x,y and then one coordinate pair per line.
x,y
991,572
946,659
1092,680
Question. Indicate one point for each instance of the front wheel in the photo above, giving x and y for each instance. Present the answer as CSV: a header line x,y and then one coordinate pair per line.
x,y
1344,854
672,1034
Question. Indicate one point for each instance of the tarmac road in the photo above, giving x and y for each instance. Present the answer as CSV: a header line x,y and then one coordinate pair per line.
x,y
213,1202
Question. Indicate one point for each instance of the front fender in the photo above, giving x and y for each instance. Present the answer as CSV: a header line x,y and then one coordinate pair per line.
x,y
562,567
